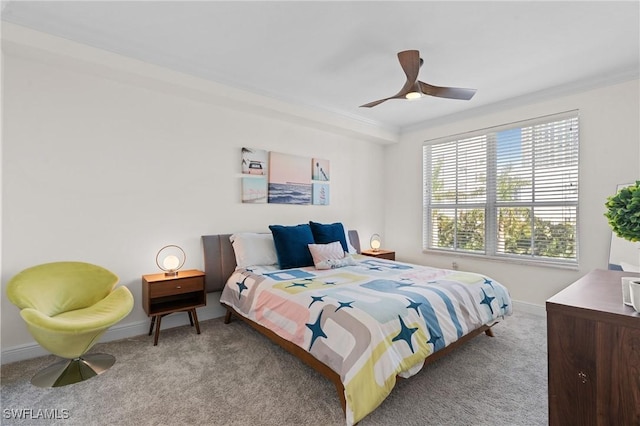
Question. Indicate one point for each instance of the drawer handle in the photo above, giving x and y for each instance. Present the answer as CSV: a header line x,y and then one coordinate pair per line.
x,y
178,286
583,377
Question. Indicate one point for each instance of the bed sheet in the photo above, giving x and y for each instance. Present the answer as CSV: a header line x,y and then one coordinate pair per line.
x,y
369,322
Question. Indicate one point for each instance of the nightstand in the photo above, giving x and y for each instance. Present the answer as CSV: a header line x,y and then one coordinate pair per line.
x,y
163,295
380,254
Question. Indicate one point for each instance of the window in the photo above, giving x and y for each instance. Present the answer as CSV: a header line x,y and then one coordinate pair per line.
x,y
509,192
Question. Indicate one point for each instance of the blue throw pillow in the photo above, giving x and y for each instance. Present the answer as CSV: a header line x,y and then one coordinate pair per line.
x,y
328,233
292,245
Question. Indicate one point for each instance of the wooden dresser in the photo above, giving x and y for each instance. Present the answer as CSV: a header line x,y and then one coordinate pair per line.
x,y
594,353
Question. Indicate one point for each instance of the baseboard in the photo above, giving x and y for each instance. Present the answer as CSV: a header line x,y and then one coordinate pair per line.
x,y
117,332
529,308
212,310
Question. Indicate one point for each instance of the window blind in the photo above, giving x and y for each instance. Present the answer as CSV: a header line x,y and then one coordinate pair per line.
x,y
509,191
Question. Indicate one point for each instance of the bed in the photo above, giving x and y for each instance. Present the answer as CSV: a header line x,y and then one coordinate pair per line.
x,y
363,325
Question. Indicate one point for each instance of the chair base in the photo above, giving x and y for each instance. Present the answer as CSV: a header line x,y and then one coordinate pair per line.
x,y
69,371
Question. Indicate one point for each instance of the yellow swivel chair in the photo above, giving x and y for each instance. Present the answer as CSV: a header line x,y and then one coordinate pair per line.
x,y
67,307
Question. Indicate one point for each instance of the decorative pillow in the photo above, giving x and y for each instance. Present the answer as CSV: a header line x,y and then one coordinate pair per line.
x,y
329,256
328,233
253,249
320,252
291,244
347,260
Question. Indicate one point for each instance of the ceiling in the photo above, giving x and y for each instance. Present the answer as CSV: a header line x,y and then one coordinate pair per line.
x,y
337,55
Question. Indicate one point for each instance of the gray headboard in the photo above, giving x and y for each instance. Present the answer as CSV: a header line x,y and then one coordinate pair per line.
x,y
220,260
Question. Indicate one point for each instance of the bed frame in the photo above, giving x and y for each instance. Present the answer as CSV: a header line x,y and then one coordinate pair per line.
x,y
219,264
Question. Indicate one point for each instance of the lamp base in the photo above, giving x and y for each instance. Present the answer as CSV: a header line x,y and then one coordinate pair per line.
x,y
69,371
171,274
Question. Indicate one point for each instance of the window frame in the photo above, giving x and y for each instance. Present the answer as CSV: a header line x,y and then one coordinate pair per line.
x,y
491,204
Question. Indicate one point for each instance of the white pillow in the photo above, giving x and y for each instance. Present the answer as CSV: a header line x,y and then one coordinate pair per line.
x,y
252,249
347,260
329,256
321,252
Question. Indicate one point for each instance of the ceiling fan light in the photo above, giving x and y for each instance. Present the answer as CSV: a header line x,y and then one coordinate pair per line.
x,y
413,95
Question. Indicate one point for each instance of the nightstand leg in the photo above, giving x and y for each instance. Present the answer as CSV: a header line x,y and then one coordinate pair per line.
x,y
195,319
153,321
155,339
190,318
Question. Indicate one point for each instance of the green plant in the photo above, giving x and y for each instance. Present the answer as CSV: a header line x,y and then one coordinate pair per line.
x,y
623,212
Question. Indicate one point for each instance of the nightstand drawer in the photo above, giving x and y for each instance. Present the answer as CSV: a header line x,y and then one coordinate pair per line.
x,y
183,285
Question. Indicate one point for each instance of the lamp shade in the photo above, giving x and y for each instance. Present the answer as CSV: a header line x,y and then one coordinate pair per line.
x,y
171,262
170,259
375,242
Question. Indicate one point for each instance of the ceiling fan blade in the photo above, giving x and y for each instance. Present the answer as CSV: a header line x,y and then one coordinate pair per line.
x,y
410,62
446,92
374,103
378,102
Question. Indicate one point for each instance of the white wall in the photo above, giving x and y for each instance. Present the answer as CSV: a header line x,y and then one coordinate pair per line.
x,y
609,152
100,167
106,160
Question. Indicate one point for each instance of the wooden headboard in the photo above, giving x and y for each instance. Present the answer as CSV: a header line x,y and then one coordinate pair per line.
x,y
220,260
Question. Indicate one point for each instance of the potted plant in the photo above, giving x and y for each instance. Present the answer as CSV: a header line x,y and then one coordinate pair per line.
x,y
623,212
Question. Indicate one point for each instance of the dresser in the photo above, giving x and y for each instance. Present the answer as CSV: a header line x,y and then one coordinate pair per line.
x,y
594,353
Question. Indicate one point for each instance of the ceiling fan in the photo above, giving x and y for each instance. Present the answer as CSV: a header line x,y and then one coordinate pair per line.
x,y
410,61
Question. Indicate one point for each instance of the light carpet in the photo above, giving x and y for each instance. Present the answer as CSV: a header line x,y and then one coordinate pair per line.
x,y
232,375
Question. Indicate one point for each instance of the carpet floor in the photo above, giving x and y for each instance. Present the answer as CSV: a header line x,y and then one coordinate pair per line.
x,y
232,375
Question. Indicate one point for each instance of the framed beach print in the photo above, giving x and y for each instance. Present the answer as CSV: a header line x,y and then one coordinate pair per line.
x,y
254,190
254,162
320,170
289,179
320,194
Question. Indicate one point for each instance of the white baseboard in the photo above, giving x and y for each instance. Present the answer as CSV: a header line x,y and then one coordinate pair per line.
x,y
117,332
529,308
212,310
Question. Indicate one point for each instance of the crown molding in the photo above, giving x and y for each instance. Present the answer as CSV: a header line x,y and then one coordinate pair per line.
x,y
23,42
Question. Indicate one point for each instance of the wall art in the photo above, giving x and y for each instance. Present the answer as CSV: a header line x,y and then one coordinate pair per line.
x,y
254,190
320,194
255,161
289,179
320,170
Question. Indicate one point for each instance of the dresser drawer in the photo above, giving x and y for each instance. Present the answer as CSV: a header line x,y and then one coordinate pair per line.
x,y
179,286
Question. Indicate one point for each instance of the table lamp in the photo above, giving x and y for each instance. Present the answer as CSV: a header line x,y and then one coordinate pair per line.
x,y
170,259
375,242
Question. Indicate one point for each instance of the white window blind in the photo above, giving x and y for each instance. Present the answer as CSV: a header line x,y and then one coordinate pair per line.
x,y
509,192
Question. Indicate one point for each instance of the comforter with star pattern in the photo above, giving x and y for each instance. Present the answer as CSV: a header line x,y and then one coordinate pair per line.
x,y
369,322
